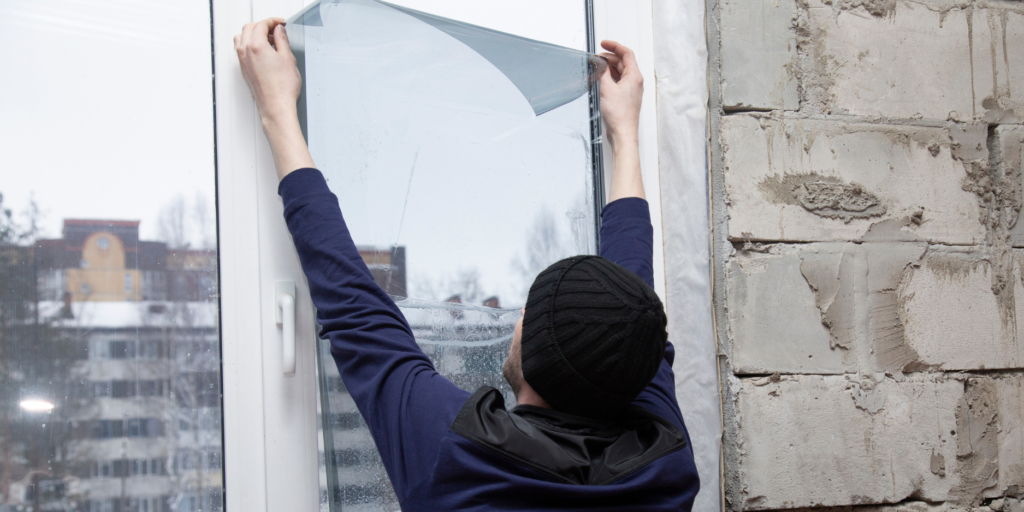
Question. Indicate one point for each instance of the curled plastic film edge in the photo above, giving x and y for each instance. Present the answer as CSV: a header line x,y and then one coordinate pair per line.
x,y
547,75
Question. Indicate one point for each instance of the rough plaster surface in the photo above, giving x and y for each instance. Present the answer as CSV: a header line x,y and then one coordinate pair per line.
x,y
854,286
953,317
1008,159
809,180
864,246
830,308
907,59
998,61
758,51
1010,392
911,506
990,447
773,320
836,440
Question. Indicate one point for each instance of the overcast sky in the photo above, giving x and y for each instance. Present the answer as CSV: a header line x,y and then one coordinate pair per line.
x,y
106,107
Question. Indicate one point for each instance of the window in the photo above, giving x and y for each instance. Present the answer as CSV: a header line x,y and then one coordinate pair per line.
x,y
121,468
462,173
133,427
152,349
122,350
146,504
150,388
122,388
128,191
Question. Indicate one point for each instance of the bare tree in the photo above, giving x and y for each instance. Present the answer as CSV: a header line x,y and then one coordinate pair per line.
x,y
36,361
545,245
171,225
464,284
188,229
204,222
187,224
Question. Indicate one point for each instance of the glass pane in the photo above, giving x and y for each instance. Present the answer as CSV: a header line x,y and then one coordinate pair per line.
x,y
109,343
464,162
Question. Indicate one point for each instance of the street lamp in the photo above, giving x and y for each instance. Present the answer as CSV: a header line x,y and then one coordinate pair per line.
x,y
36,405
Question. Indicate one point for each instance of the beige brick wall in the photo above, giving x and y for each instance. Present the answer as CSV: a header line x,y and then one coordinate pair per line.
x,y
866,163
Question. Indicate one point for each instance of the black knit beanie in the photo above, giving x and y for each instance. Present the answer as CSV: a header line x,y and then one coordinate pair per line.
x,y
593,336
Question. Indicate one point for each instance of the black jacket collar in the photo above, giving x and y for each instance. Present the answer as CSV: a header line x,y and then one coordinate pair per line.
x,y
572,449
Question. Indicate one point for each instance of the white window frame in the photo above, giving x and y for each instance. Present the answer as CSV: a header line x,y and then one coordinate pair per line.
x,y
270,432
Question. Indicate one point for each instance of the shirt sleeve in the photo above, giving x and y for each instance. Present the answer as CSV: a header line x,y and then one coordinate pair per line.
x,y
627,238
407,405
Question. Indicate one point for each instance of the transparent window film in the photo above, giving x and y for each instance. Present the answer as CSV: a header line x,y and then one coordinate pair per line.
x,y
464,161
109,343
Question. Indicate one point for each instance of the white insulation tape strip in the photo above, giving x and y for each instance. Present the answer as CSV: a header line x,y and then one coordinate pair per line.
x,y
680,62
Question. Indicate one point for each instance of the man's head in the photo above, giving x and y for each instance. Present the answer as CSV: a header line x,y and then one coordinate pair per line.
x,y
591,338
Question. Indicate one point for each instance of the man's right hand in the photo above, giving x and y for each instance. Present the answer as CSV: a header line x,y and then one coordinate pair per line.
x,y
269,68
622,89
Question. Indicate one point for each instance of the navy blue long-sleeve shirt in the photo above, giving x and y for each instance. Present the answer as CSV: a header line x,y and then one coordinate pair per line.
x,y
410,408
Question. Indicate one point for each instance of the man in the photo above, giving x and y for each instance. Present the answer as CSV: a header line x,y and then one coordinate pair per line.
x,y
597,426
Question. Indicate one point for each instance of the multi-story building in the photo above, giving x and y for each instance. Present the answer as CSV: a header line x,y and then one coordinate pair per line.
x,y
104,261
139,406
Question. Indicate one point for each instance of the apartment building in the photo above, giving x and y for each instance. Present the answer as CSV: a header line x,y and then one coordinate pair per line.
x,y
137,407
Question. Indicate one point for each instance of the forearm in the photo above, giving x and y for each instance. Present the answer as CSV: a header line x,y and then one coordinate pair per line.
x,y
370,337
407,405
342,287
626,178
286,141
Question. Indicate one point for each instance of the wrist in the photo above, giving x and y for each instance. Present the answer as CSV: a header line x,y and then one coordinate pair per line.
x,y
624,132
275,119
286,141
625,141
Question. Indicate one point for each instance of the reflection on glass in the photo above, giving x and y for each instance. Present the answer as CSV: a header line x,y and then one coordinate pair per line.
x,y
109,344
462,158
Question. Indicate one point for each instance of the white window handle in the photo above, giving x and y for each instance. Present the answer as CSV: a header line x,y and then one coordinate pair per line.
x,y
285,293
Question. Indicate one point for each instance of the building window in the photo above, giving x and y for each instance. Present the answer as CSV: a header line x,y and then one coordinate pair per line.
x,y
122,349
99,349
134,427
151,388
103,243
152,504
121,468
127,283
122,389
